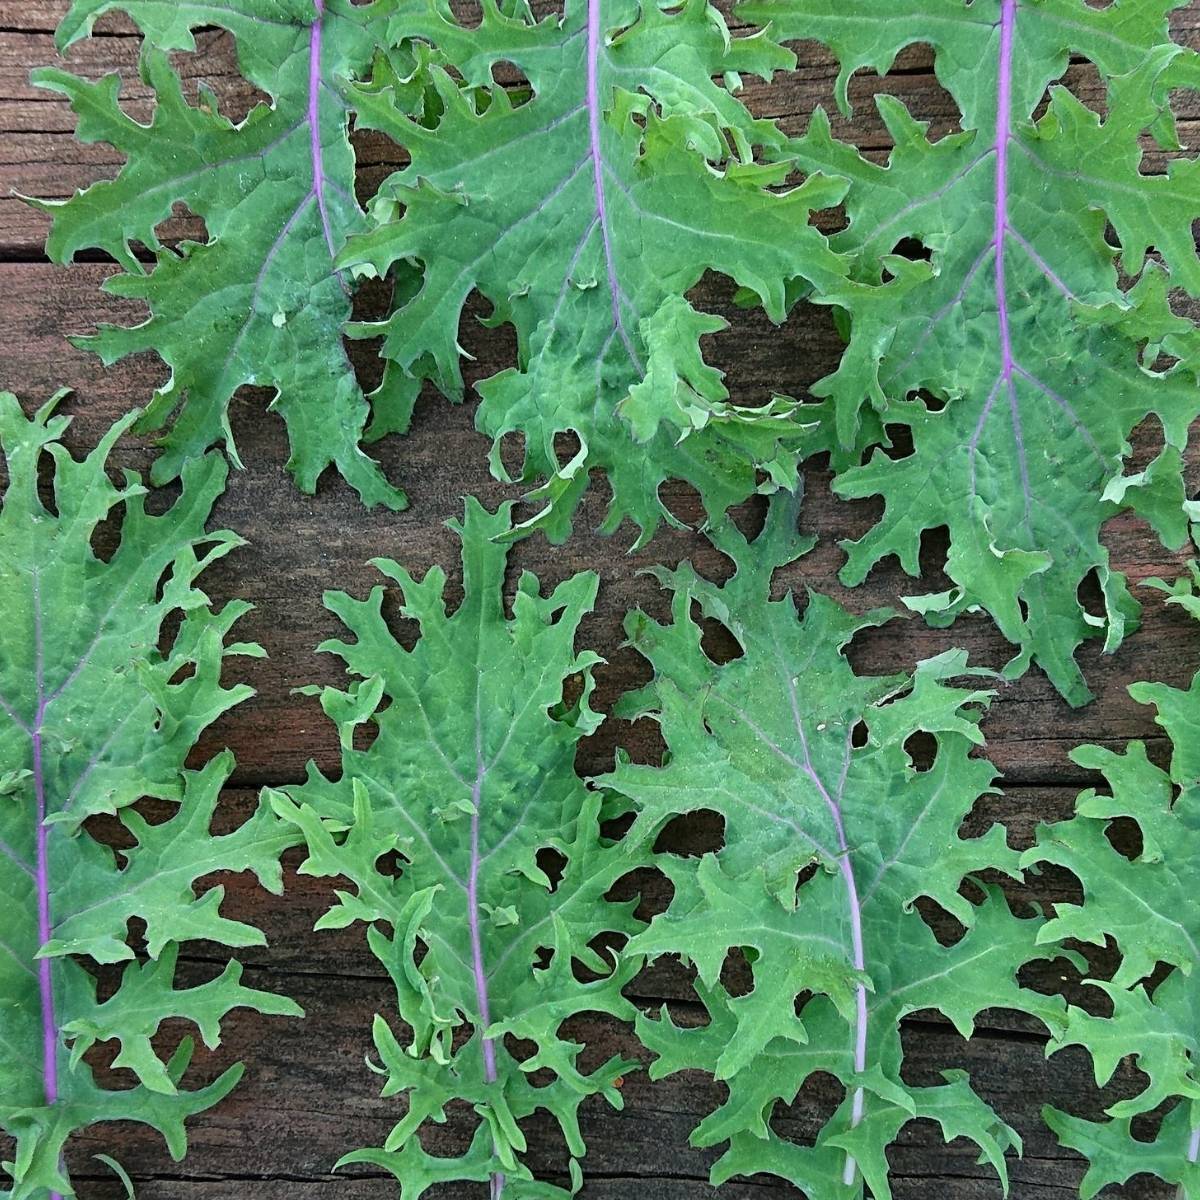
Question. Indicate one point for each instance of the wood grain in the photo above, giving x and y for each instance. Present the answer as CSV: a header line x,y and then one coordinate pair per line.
x,y
308,1097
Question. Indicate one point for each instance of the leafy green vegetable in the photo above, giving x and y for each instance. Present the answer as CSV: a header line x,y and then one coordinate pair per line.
x,y
93,718
1146,905
469,784
259,301
584,213
831,836
1011,359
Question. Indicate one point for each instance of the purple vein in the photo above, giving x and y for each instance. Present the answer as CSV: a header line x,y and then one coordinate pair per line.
x,y
101,628
941,314
12,715
20,963
1014,409
260,278
1041,264
936,194
94,758
10,853
42,869
593,109
176,181
1068,410
973,445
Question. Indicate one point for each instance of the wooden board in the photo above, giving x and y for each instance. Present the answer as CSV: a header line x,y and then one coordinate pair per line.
x,y
308,1097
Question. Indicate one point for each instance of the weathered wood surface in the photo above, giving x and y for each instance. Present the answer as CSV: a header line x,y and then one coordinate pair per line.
x,y
308,1097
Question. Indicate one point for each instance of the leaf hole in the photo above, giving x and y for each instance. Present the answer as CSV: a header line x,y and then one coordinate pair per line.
x,y
1124,835
512,454
181,224
109,830
364,735
859,734
185,671
514,81
913,249
365,357
805,875
651,889
682,500
1090,594
161,499
945,927
750,518
391,865
898,442
1145,1127
469,14
921,748
164,578
692,834
716,641
607,945
168,631
1083,80
911,78
736,976
106,536
819,1097
554,863
45,483
1146,442
830,220
135,936
230,95
520,1049
566,446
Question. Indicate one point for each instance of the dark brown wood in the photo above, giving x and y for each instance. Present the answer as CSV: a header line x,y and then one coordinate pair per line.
x,y
308,1097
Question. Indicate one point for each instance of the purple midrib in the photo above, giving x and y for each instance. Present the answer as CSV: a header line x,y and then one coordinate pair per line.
x,y
1000,230
1008,20
592,103
854,908
316,191
478,969
1008,16
316,152
42,866
477,965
